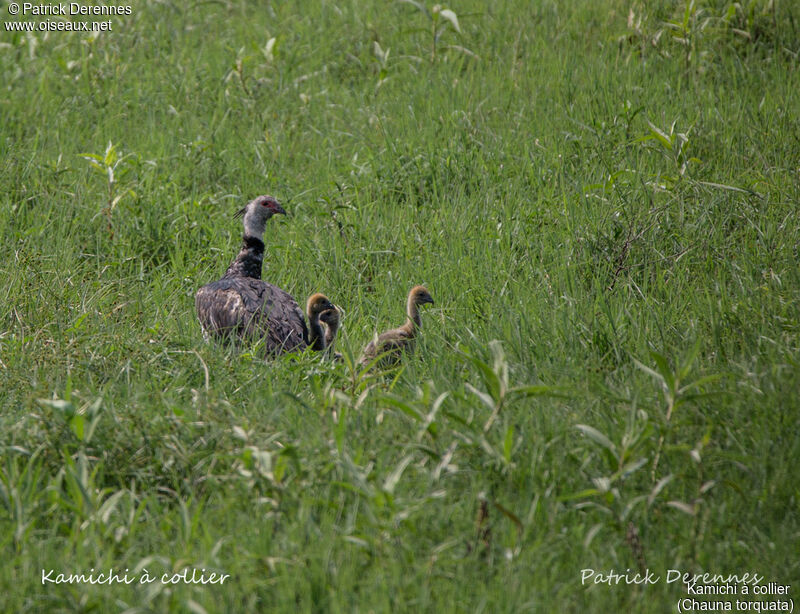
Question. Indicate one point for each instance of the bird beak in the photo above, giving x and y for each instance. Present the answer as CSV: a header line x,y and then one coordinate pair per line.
x,y
240,212
279,209
429,300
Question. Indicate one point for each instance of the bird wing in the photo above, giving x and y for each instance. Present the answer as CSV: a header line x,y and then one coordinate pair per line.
x,y
392,342
252,309
219,309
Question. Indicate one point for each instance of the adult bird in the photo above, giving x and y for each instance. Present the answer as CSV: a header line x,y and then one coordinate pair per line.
x,y
391,344
241,306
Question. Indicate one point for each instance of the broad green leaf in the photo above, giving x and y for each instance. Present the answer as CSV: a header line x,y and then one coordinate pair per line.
x,y
689,360
356,541
661,136
598,437
582,494
490,378
631,505
394,477
664,370
418,5
683,507
687,14
75,476
499,364
437,404
508,443
707,379
659,486
77,325
463,50
451,17
631,467
404,407
109,505
111,155
67,408
591,534
76,424
195,607
487,400
649,371
537,390
725,187
707,486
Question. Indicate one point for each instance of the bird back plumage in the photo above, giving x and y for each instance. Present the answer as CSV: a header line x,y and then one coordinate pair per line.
x,y
251,309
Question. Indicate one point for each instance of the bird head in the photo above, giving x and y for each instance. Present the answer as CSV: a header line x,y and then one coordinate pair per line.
x,y
419,295
318,303
257,212
330,317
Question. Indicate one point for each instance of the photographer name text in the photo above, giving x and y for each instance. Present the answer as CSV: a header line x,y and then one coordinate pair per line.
x,y
612,577
66,9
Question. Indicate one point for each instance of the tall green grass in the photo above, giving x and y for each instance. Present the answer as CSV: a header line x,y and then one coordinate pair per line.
x,y
602,198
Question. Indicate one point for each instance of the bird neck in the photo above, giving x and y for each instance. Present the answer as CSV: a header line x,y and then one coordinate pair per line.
x,y
412,310
316,337
330,334
248,261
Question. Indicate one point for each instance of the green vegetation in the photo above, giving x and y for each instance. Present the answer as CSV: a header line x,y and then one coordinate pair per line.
x,y
602,197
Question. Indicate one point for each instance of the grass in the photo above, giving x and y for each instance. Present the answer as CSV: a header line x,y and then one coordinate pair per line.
x,y
602,198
